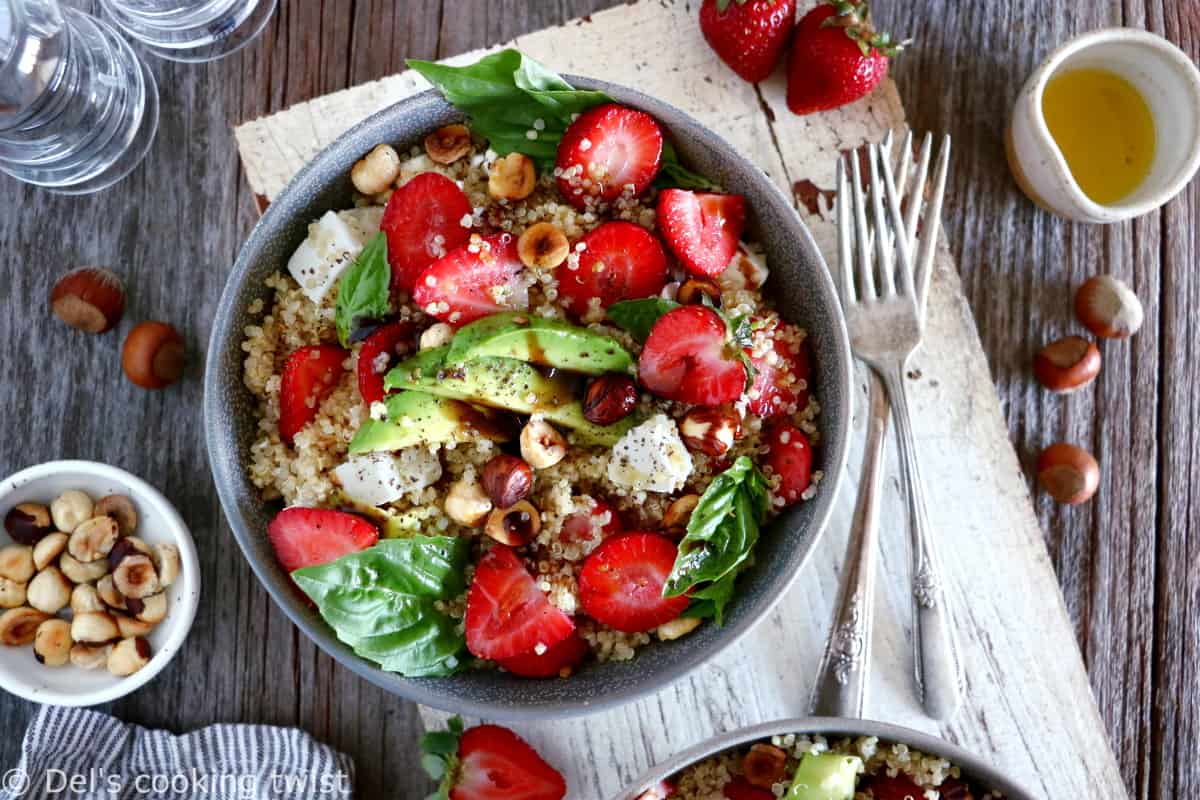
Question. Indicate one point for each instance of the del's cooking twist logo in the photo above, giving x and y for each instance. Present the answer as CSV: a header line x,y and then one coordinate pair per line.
x,y
100,782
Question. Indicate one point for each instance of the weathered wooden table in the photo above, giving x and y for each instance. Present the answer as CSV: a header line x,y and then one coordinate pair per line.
x,y
173,228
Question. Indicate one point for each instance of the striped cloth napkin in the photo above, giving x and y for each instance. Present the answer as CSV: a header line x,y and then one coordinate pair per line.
x,y
75,753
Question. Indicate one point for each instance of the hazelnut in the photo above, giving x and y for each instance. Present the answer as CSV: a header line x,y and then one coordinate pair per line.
x,y
680,626
135,577
18,626
28,523
48,549
12,593
512,177
694,290
131,626
1108,307
764,766
676,517
376,171
436,335
93,539
154,355
85,598
1068,473
154,608
543,246
128,656
71,508
89,299
507,480
609,399
16,563
448,143
1067,364
120,508
94,627
107,590
167,563
514,526
541,445
52,643
467,503
89,656
126,546
82,572
710,430
49,591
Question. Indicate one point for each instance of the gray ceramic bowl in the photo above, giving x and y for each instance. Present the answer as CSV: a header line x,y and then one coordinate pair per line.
x,y
972,767
800,285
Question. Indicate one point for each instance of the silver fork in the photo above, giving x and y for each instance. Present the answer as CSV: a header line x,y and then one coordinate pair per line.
x,y
884,300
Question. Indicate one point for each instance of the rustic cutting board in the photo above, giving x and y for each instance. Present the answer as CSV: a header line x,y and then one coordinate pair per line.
x,y
1029,707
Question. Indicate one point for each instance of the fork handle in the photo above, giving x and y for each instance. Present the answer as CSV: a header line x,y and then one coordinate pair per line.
x,y
842,681
938,667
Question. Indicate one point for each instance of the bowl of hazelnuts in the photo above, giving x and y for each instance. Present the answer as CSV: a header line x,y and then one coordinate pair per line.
x,y
99,583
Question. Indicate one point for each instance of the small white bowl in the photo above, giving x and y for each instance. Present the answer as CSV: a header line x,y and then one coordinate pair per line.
x,y
158,521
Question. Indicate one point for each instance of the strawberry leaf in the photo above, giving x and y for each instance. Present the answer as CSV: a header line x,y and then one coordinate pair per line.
x,y
439,757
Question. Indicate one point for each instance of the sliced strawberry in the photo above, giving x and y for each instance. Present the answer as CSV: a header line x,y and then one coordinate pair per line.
x,y
507,614
791,458
621,261
306,537
780,368
583,526
378,353
741,789
309,375
423,222
898,787
559,660
621,582
687,358
608,149
659,791
477,279
702,229
496,764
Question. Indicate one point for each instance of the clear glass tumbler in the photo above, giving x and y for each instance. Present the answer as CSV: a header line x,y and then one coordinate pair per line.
x,y
78,108
191,30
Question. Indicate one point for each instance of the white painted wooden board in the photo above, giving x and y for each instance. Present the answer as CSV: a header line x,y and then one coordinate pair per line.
x,y
1029,708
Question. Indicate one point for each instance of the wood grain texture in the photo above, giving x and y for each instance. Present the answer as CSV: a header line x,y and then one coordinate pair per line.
x,y
1126,562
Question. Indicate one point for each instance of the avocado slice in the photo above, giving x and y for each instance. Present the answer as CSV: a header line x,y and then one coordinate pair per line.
x,y
421,418
394,524
549,342
503,383
825,776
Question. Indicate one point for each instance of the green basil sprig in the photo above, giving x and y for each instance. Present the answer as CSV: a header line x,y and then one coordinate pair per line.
x,y
639,316
439,756
721,535
382,602
364,290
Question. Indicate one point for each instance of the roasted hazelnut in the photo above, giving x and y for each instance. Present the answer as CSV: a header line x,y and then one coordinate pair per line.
x,y
764,766
120,508
467,503
507,480
710,430
71,508
543,246
107,589
82,572
93,539
448,143
680,626
128,656
28,523
89,656
153,610
52,643
126,546
49,591
16,562
514,526
135,577
94,627
1068,473
18,626
12,594
677,515
376,171
694,290
48,549
609,399
167,563
1067,364
154,355
1108,307
512,177
541,445
131,626
85,598
89,299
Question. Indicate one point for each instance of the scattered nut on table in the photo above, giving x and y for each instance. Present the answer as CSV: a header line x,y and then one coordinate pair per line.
x,y
153,356
90,299
1068,473
1108,307
1067,364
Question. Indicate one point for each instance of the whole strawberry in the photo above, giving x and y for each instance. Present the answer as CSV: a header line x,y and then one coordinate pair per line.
x,y
748,35
837,57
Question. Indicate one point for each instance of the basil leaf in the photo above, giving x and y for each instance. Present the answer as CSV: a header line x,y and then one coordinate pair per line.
x,y
709,602
382,602
439,757
673,175
364,290
721,535
639,316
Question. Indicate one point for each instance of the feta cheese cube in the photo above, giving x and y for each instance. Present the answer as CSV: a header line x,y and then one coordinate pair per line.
x,y
651,457
331,246
375,479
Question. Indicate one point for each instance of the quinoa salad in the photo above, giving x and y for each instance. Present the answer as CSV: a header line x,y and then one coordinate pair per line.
x,y
525,404
811,767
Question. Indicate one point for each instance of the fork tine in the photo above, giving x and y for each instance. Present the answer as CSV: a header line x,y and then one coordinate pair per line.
x,y
933,222
866,277
883,238
904,164
845,224
917,198
902,251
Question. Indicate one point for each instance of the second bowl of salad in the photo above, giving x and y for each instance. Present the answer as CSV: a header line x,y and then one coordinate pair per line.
x,y
527,395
